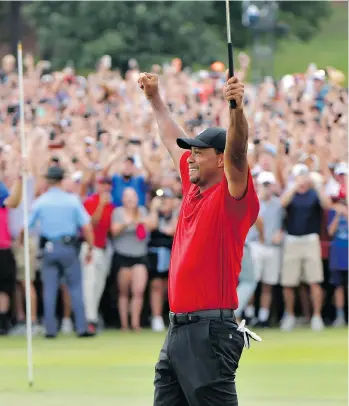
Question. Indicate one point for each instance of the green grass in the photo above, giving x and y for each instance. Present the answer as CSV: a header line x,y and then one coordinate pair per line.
x,y
302,368
328,48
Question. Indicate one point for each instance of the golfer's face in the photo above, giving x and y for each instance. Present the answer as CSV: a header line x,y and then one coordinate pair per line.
x,y
203,162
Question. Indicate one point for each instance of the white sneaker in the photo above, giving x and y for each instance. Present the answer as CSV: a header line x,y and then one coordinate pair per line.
x,y
157,324
288,323
67,326
316,323
339,322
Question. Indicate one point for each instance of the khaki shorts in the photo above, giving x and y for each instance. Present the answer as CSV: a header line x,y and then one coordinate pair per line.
x,y
302,261
20,262
267,263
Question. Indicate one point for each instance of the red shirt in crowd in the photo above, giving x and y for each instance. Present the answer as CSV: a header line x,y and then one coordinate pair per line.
x,y
208,245
102,228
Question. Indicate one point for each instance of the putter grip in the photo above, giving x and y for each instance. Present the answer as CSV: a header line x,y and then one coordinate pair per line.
x,y
231,70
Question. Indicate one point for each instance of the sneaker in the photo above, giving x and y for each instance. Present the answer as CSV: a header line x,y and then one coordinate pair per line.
x,y
339,322
157,324
67,326
18,330
316,323
288,323
36,329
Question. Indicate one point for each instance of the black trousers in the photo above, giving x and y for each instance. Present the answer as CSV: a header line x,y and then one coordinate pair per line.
x,y
197,364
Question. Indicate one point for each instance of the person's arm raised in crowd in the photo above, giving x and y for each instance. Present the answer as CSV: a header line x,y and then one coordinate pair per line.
x,y
287,197
235,154
104,199
168,128
325,201
15,197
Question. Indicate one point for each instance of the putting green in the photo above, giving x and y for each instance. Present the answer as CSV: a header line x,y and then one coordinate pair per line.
x,y
301,367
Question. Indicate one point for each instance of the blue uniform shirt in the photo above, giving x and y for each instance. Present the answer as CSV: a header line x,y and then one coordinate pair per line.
x,y
59,214
120,184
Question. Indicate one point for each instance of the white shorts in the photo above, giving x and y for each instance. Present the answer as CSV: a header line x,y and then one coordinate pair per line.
x,y
302,260
267,262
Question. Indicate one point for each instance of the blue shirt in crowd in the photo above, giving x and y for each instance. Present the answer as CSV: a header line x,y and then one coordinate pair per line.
x,y
304,214
4,194
120,184
59,214
339,246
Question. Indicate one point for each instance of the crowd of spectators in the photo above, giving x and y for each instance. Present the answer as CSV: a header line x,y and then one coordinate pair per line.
x,y
101,131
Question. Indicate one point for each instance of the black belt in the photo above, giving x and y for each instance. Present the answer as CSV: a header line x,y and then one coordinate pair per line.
x,y
67,240
193,317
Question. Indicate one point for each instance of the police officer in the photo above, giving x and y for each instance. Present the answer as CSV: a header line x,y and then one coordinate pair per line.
x,y
61,216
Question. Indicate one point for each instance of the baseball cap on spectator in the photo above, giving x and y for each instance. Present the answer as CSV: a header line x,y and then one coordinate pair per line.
x,y
341,169
256,171
270,148
319,75
210,138
55,173
266,178
300,169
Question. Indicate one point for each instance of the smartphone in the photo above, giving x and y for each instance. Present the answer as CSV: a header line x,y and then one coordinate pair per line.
x,y
52,135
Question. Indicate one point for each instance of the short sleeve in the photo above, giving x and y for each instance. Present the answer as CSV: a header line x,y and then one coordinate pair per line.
x,y
117,216
246,208
184,171
83,217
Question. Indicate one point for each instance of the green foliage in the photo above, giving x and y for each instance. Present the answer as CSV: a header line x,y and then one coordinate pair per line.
x,y
151,31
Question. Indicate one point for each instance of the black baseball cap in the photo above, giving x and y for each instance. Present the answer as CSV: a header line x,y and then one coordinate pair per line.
x,y
55,172
213,137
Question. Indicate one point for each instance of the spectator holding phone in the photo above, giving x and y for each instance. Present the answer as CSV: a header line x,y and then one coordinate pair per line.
x,y
338,260
131,224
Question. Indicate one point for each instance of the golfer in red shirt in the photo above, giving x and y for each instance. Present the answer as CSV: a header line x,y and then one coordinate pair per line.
x,y
199,358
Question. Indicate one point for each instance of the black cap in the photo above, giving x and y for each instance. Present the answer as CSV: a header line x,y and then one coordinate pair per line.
x,y
213,137
55,172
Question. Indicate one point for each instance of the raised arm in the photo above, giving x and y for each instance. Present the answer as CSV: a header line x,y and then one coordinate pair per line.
x,y
235,153
169,130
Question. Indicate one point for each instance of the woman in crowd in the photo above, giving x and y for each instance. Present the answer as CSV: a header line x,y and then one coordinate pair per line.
x,y
160,245
130,228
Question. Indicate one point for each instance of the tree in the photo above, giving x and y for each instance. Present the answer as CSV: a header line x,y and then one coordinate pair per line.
x,y
151,32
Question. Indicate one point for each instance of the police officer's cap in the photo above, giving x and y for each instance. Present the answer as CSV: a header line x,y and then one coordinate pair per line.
x,y
55,173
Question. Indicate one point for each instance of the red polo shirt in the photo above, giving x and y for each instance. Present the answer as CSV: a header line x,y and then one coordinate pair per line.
x,y
102,228
208,245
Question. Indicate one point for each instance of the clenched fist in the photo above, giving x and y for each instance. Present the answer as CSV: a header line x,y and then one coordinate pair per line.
x,y
234,90
149,82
